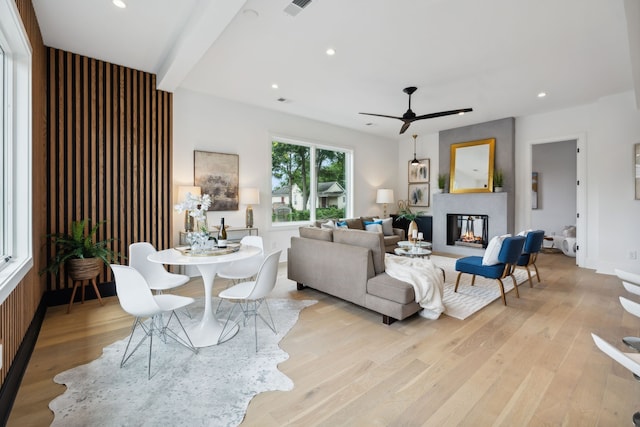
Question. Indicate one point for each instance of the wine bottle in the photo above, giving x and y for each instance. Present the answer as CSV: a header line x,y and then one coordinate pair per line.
x,y
222,235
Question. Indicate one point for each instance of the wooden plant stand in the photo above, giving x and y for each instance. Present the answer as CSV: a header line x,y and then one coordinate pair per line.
x,y
84,269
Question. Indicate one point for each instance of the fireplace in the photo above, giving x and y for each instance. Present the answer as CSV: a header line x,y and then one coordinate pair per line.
x,y
469,230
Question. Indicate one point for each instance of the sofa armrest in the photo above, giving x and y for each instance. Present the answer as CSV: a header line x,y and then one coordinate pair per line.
x,y
399,232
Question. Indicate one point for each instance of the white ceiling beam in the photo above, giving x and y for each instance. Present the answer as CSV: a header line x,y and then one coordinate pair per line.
x,y
632,12
208,20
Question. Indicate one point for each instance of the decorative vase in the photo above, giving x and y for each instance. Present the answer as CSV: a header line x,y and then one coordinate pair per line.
x,y
84,268
412,226
497,189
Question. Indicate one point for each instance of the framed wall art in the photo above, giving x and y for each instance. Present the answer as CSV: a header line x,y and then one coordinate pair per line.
x,y
419,194
217,174
419,172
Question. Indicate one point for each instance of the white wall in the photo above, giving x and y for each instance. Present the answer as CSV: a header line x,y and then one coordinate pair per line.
x,y
556,167
207,123
607,130
426,148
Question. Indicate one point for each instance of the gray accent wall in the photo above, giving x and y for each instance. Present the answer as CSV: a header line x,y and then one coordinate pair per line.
x,y
503,131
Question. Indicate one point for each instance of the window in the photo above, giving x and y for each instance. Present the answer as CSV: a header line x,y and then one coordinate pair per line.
x,y
15,153
301,192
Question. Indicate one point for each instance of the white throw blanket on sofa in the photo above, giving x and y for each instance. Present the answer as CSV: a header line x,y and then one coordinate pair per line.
x,y
426,279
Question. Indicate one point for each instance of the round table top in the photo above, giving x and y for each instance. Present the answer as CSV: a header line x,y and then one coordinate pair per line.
x,y
422,244
175,257
412,252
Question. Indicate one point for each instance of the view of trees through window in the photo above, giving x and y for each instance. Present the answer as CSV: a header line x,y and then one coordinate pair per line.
x,y
302,192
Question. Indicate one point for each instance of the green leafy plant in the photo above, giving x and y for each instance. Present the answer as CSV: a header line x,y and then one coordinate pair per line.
x,y
442,180
498,178
408,215
78,245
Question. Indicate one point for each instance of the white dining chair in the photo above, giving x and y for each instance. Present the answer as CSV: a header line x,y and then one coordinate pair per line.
x,y
136,298
252,295
158,278
247,268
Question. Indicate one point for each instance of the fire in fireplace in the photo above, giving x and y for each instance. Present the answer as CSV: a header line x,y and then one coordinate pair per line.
x,y
467,230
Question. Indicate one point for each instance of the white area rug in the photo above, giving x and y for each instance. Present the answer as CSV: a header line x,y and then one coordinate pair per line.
x,y
470,299
211,388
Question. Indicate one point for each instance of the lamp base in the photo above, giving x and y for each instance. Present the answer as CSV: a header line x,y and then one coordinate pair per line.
x,y
249,217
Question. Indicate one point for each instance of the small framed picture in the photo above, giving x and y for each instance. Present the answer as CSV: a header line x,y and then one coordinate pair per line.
x,y
419,195
419,172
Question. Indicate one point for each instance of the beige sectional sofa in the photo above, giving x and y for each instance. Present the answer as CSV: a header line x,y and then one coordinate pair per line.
x,y
391,234
349,264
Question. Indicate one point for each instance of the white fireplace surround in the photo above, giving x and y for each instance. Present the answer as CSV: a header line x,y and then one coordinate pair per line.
x,y
494,205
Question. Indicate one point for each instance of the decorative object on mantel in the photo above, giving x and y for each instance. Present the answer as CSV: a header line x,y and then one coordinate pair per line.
x,y
384,196
249,196
471,166
498,180
213,387
218,175
442,181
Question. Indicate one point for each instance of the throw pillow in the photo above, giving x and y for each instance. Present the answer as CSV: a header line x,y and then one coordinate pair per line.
x,y
341,224
387,226
493,250
375,226
329,224
524,233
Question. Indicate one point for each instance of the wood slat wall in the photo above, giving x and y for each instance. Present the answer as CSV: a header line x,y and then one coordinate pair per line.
x,y
109,144
17,311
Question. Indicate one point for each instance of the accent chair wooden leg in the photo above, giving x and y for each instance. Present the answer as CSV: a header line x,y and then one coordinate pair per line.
x,y
529,274
473,280
504,299
95,288
457,282
300,286
387,320
537,274
73,295
515,285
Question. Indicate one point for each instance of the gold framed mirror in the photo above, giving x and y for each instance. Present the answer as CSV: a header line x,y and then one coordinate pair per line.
x,y
471,169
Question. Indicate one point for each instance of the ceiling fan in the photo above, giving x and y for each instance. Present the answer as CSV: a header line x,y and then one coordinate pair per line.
x,y
410,116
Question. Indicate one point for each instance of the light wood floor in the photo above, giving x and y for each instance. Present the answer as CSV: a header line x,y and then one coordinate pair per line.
x,y
530,363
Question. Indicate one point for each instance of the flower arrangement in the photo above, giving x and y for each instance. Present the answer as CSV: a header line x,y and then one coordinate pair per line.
x,y
195,206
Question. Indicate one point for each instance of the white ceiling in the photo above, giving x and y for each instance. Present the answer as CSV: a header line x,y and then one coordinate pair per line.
x,y
491,55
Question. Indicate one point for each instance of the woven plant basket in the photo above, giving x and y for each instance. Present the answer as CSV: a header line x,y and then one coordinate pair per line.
x,y
85,268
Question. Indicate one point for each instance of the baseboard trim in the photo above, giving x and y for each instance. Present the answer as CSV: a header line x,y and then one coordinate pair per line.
x,y
11,384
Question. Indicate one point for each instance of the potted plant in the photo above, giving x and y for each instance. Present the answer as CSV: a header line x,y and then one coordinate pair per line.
x,y
498,180
84,255
442,181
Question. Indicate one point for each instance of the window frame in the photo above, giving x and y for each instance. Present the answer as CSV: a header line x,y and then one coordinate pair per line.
x,y
315,145
16,201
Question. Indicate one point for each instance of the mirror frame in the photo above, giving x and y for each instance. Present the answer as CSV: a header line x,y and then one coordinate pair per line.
x,y
491,142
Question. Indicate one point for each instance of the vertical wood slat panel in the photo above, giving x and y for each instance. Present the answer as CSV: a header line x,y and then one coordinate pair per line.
x,y
102,143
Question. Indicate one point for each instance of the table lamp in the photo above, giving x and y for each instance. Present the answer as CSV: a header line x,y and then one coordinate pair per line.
x,y
249,196
384,196
182,195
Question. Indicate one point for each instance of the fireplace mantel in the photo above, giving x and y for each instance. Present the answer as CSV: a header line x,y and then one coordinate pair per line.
x,y
495,205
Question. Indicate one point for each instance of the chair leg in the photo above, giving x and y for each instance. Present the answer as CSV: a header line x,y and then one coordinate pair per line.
x,y
473,280
504,298
457,282
529,274
515,285
537,274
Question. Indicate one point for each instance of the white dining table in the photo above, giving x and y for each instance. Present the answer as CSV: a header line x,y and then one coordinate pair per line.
x,y
210,330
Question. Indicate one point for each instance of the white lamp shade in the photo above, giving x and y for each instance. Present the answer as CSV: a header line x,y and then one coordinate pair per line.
x,y
385,195
184,189
249,196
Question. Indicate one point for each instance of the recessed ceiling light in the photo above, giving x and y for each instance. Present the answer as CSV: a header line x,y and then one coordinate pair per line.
x,y
119,3
274,85
542,94
461,113
331,51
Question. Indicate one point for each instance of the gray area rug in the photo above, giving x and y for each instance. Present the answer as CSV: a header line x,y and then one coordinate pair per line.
x,y
211,388
471,299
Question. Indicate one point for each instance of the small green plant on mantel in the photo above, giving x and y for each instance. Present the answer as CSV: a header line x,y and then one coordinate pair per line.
x,y
79,245
442,180
498,178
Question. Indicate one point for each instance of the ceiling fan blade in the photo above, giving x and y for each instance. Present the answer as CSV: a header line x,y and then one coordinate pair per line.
x,y
443,113
404,127
382,115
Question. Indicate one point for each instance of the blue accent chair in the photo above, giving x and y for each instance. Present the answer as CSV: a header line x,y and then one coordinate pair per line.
x,y
509,254
532,246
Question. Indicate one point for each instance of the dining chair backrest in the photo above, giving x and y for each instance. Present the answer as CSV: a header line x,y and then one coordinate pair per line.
x,y
631,306
252,241
617,355
533,242
628,276
133,292
266,278
151,271
511,249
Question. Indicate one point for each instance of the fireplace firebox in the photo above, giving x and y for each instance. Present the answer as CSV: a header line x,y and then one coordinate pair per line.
x,y
467,230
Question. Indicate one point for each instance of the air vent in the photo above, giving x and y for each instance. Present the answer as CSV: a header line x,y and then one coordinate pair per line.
x,y
296,6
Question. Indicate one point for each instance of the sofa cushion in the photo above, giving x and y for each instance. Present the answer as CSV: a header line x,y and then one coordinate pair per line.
x,y
392,289
353,223
364,239
316,233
